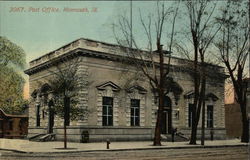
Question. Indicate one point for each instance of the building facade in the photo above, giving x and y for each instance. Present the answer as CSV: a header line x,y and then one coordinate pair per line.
x,y
120,102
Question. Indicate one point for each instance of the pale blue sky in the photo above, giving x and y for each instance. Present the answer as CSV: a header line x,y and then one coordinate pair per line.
x,y
39,32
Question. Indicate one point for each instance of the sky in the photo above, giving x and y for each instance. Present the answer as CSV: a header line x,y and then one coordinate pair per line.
x,y
38,30
43,26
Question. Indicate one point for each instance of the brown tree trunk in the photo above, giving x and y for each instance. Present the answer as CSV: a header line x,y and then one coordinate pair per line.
x,y
65,136
193,134
66,118
196,95
157,137
160,89
240,97
245,125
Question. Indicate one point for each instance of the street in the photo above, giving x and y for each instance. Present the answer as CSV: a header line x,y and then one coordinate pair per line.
x,y
228,153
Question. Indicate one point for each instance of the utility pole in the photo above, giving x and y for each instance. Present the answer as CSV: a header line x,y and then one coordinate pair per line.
x,y
203,104
203,124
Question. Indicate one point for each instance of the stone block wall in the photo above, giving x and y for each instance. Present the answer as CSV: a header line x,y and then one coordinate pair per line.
x,y
95,71
101,134
218,133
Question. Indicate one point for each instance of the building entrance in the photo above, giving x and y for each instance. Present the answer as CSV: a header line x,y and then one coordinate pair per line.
x,y
166,123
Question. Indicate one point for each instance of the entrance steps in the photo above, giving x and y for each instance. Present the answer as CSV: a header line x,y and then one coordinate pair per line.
x,y
164,138
43,137
181,136
36,137
178,137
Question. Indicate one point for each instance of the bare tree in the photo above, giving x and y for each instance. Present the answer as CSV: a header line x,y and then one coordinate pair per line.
x,y
233,45
155,65
201,34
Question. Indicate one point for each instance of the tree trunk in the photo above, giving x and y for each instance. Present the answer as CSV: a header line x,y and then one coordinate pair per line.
x,y
245,125
66,118
160,89
245,128
196,96
157,137
65,136
193,134
67,111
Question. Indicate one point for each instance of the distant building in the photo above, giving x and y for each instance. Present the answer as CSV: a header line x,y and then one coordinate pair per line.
x,y
121,108
233,115
13,126
233,120
248,101
247,80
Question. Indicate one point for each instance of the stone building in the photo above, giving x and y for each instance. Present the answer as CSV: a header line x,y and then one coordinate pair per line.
x,y
120,101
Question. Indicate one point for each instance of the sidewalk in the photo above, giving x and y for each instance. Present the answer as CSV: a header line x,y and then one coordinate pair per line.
x,y
27,146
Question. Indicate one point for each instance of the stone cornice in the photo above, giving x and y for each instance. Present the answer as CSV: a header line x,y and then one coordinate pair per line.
x,y
101,55
99,46
91,48
79,52
51,62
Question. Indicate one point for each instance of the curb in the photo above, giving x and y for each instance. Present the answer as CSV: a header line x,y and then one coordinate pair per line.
x,y
132,149
12,150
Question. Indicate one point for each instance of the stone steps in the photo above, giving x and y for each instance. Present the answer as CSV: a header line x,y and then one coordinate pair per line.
x,y
43,137
177,138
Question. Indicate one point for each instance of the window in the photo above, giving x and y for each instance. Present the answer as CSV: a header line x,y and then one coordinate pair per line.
x,y
210,120
190,107
107,111
135,112
38,116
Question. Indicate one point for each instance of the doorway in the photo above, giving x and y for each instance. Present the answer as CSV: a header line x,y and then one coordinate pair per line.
x,y
166,123
51,117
